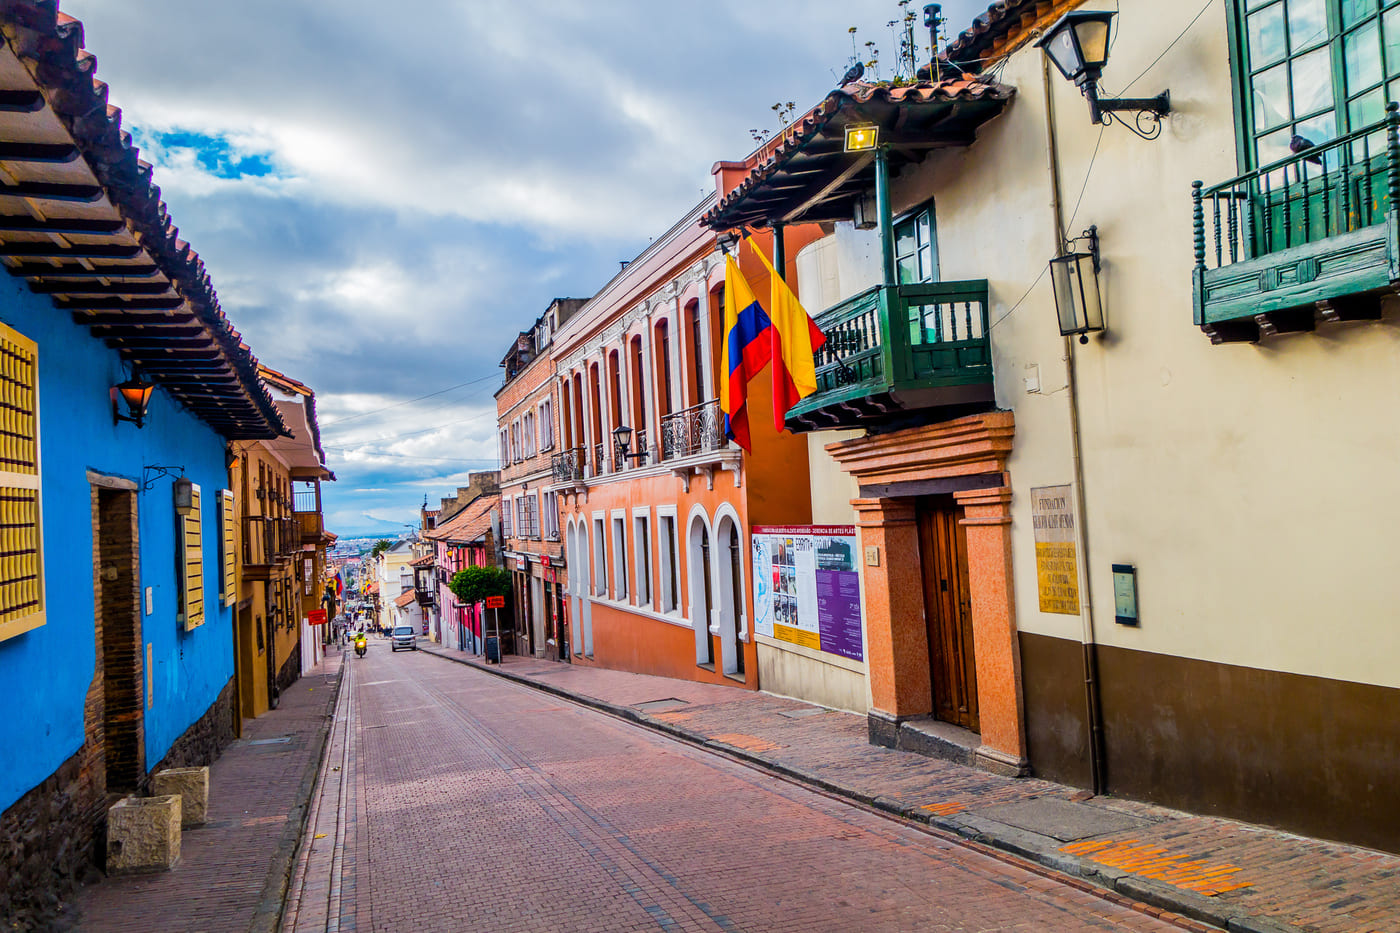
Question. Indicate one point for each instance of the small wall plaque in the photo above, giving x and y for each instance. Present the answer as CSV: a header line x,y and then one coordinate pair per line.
x,y
1125,594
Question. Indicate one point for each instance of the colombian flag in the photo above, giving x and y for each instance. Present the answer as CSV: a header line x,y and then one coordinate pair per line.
x,y
793,337
747,349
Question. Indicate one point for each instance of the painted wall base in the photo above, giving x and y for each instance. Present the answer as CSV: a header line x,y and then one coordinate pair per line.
x,y
1306,754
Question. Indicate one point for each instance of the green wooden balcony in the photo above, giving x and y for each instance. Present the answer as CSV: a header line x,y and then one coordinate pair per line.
x,y
1308,237
897,353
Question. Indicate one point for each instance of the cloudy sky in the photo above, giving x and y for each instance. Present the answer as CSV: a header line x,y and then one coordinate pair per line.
x,y
385,193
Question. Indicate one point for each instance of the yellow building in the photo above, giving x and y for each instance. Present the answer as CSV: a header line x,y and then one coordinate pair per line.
x,y
281,549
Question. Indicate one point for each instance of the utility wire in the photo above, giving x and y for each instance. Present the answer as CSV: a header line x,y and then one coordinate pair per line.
x,y
366,414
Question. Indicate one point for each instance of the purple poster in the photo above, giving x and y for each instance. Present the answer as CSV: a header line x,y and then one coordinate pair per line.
x,y
807,587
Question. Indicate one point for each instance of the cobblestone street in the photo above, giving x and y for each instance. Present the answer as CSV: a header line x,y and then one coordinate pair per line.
x,y
452,800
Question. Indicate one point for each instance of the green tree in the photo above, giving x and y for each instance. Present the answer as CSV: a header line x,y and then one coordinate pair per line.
x,y
380,546
474,584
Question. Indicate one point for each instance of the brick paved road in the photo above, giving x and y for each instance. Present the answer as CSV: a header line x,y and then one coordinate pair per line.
x,y
453,800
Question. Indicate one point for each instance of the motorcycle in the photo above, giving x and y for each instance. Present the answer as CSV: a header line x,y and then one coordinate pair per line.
x,y
361,644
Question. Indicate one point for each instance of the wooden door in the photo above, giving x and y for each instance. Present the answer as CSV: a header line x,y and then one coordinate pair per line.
x,y
948,612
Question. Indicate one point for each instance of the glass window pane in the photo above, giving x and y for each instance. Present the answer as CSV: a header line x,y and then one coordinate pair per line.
x,y
1361,51
1266,43
1354,11
1391,28
1307,23
925,264
1312,82
921,229
1271,105
909,270
1271,148
904,240
1367,109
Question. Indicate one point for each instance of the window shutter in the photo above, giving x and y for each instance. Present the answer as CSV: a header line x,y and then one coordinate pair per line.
x,y
192,542
21,539
228,580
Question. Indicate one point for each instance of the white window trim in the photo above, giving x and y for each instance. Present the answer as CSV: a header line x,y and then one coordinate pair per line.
x,y
643,563
620,584
597,534
670,558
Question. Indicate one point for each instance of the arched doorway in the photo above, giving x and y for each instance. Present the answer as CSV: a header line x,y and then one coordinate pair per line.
x,y
728,564
698,560
582,616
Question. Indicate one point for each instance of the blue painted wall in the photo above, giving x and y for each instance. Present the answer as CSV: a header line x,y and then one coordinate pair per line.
x,y
45,674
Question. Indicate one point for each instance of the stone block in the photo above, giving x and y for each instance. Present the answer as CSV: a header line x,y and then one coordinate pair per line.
x,y
143,834
192,785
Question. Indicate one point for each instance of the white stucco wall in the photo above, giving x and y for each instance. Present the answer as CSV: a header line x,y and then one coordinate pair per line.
x,y
1252,486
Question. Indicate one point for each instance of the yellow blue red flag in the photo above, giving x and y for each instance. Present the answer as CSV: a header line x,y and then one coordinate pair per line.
x,y
793,337
747,349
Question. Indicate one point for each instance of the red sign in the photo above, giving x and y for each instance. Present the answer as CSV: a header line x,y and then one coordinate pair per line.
x,y
316,617
544,559
495,602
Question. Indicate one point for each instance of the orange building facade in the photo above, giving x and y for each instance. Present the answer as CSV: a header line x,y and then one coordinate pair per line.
x,y
655,505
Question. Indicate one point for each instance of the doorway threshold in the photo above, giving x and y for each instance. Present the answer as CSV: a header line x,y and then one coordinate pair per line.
x,y
934,738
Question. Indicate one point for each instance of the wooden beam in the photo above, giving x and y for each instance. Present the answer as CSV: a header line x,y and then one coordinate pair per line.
x,y
153,331
37,152
67,287
76,251
21,101
48,191
825,191
119,304
23,223
122,320
42,270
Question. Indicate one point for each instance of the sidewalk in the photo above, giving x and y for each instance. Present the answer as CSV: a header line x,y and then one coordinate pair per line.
x,y
1233,875
233,871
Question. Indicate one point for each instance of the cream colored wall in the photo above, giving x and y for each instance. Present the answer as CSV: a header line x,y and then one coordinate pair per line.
x,y
812,676
1251,485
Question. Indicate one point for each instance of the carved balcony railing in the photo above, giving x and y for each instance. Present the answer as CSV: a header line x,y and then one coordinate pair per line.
x,y
1311,235
596,466
893,350
265,541
698,429
567,465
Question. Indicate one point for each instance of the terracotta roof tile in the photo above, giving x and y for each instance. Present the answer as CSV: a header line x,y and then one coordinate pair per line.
x,y
50,46
1000,19
470,524
804,130
404,599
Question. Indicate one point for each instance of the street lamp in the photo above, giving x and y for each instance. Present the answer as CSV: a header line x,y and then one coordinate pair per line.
x,y
622,437
1078,46
1075,279
137,396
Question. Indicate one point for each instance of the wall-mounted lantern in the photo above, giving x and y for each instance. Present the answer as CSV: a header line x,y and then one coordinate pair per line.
x,y
184,496
622,437
1075,279
1077,45
136,394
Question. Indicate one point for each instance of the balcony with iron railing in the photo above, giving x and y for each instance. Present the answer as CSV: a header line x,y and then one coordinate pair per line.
x,y
1313,235
266,540
567,466
693,430
895,350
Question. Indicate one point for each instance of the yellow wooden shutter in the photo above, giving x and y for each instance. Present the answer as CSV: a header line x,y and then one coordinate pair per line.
x,y
228,583
21,540
193,564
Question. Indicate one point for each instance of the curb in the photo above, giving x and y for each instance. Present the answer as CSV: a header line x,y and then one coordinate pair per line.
x,y
273,900
968,828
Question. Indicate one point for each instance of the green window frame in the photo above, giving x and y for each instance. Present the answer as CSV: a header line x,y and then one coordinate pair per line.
x,y
916,246
1315,68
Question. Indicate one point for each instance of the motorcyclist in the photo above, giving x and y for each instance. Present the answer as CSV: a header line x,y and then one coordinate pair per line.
x,y
361,643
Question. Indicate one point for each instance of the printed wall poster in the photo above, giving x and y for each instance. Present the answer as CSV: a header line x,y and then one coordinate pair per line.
x,y
807,587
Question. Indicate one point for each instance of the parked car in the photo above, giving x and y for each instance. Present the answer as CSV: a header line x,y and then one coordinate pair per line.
x,y
403,636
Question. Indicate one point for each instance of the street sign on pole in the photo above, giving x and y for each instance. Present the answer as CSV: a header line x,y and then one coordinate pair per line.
x,y
316,617
495,602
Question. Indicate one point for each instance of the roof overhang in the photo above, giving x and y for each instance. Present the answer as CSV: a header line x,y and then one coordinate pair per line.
x,y
809,177
81,221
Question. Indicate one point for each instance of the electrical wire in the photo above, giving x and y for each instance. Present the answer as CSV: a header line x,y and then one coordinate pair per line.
x,y
1128,86
366,414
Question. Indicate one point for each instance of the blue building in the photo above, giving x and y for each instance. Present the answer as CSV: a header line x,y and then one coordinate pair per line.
x,y
121,387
